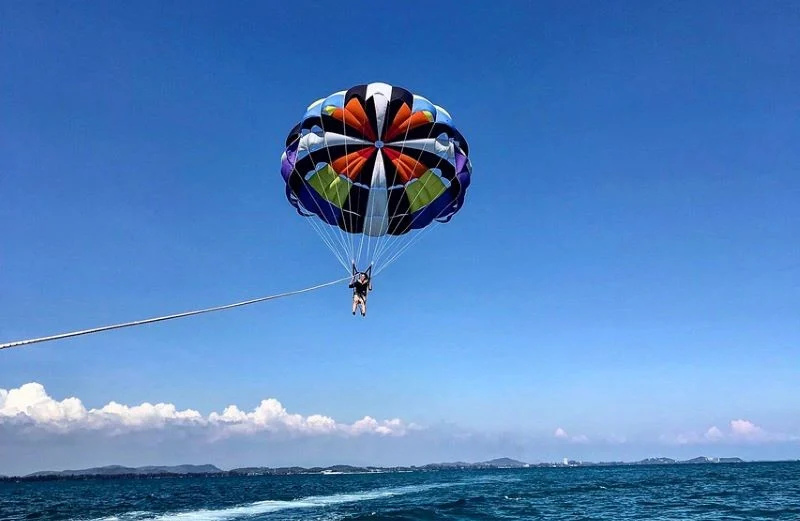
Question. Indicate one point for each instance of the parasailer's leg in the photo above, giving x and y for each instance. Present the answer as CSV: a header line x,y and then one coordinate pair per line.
x,y
359,300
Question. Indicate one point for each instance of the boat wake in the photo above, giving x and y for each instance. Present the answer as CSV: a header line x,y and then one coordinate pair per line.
x,y
269,506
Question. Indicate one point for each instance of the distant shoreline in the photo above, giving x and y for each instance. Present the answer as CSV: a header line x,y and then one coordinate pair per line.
x,y
155,472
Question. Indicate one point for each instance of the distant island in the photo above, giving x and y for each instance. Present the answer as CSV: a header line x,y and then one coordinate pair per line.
x,y
118,471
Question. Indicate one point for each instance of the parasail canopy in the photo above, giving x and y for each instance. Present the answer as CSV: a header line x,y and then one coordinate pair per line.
x,y
372,167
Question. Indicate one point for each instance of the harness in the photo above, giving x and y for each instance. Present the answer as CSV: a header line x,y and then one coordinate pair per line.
x,y
357,277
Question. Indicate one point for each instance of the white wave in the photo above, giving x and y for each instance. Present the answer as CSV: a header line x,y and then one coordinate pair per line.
x,y
127,516
268,506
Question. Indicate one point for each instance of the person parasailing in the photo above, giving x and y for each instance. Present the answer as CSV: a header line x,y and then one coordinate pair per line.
x,y
361,285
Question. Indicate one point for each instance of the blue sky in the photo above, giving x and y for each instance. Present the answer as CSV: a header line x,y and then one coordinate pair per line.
x,y
627,265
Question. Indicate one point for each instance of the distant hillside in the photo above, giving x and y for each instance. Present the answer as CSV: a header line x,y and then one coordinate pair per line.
x,y
449,465
503,463
257,471
500,463
491,464
334,469
656,461
670,461
648,461
701,459
704,459
119,470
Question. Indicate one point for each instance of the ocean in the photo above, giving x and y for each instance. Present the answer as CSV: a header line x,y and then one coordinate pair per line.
x,y
751,491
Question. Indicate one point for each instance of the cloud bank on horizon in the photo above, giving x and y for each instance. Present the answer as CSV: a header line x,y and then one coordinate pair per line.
x,y
39,431
30,406
738,431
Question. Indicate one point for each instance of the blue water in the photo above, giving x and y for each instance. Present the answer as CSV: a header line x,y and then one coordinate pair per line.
x,y
686,492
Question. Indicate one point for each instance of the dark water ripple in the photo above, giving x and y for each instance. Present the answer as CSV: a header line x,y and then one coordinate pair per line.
x,y
754,491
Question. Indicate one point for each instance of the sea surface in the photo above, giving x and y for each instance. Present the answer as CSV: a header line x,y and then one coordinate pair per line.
x,y
674,492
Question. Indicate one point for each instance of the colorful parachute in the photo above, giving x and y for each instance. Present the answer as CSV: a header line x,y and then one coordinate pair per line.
x,y
375,162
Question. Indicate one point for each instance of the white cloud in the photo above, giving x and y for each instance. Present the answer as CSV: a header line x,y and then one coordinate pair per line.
x,y
714,434
738,431
30,404
562,435
746,429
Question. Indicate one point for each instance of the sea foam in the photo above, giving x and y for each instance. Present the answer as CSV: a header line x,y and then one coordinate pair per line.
x,y
268,506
